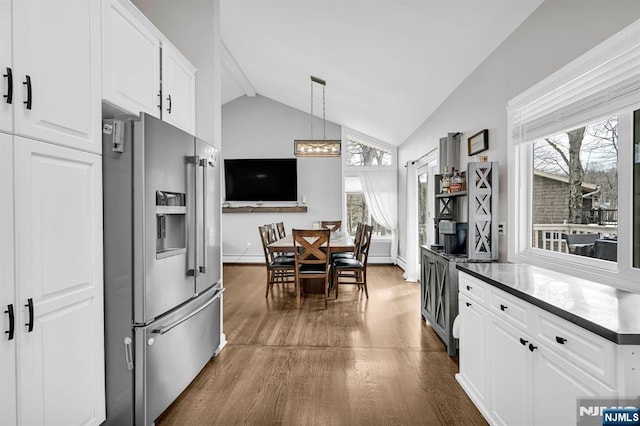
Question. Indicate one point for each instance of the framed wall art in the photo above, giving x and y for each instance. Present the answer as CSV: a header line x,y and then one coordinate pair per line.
x,y
478,142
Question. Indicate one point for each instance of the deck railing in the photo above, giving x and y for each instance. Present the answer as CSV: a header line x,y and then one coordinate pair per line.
x,y
549,236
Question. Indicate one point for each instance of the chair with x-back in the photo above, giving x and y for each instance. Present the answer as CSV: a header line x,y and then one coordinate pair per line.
x,y
354,270
280,269
312,258
331,225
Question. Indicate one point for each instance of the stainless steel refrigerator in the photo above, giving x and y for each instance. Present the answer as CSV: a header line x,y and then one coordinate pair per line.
x,y
162,264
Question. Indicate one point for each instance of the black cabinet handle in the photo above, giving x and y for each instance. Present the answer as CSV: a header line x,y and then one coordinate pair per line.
x,y
503,307
9,95
523,342
29,324
560,340
28,84
169,99
12,324
532,348
160,101
468,304
468,288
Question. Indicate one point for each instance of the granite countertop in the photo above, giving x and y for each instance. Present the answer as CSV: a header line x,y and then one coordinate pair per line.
x,y
604,310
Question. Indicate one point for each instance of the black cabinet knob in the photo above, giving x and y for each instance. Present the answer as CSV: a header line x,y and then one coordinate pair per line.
x,y
523,342
532,347
468,304
561,340
503,307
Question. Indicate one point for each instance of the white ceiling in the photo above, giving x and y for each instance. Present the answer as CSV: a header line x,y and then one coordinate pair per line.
x,y
388,63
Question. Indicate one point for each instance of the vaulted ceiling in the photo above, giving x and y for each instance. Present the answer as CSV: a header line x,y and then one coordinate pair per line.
x,y
388,64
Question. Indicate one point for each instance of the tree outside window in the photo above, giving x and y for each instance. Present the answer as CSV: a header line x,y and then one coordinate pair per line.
x,y
360,153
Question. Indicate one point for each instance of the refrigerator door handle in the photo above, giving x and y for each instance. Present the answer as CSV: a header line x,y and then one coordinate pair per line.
x,y
176,323
204,163
128,353
195,160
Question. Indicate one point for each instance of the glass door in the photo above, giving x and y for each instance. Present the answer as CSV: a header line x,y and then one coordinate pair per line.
x,y
426,175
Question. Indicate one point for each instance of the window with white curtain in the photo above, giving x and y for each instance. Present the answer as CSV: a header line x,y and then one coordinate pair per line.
x,y
573,166
370,178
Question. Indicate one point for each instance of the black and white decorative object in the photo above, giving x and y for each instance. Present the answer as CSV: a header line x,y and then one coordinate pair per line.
x,y
482,189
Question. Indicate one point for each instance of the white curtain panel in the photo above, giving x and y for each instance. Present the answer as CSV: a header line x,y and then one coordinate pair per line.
x,y
411,272
381,194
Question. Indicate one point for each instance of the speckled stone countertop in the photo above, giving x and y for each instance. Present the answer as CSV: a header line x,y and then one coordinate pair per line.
x,y
606,311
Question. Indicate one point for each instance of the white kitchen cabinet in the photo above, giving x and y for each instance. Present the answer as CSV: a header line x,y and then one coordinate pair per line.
x,y
142,70
131,59
511,367
6,111
178,89
7,296
57,71
56,360
523,365
558,384
473,335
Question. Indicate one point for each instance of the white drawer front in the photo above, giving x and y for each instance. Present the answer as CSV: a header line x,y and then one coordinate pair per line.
x,y
515,311
472,287
588,351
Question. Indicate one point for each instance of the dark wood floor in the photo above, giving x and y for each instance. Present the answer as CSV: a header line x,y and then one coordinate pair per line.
x,y
367,362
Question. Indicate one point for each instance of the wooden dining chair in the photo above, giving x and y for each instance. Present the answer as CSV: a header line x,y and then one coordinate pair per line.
x,y
356,243
280,269
312,258
331,225
281,231
354,271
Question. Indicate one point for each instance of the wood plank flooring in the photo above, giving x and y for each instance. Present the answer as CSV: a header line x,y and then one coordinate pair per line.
x,y
360,362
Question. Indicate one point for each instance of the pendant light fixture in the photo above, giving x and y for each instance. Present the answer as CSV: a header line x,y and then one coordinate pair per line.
x,y
317,147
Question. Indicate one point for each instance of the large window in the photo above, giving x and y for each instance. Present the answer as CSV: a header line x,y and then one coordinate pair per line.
x,y
574,166
358,211
575,191
370,184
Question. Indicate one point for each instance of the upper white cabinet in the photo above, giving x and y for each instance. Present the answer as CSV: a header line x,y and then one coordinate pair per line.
x,y
130,58
142,70
55,73
178,89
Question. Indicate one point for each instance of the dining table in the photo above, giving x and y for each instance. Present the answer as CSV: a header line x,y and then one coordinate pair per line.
x,y
339,242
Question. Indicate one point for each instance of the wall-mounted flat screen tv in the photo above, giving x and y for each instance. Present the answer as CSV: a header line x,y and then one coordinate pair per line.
x,y
261,179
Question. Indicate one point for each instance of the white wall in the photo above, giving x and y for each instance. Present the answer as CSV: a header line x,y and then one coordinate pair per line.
x,y
258,127
555,34
193,26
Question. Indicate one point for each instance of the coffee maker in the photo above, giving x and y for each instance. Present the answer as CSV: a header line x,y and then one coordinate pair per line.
x,y
453,236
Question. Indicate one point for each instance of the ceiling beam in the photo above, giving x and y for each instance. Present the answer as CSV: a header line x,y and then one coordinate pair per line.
x,y
236,73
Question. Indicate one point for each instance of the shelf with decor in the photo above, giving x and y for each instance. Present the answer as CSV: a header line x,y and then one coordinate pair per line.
x,y
265,209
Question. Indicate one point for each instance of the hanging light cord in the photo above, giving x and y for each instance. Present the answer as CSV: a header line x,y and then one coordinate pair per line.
x,y
324,125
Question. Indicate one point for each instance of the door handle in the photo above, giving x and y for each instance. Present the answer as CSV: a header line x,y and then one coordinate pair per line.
x,y
204,162
12,324
195,160
176,323
29,323
27,82
9,95
169,100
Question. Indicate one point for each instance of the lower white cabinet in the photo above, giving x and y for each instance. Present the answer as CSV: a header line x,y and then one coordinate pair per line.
x,y
521,365
511,374
56,372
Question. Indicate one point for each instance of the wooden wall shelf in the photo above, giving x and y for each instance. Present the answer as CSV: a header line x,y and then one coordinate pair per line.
x,y
265,209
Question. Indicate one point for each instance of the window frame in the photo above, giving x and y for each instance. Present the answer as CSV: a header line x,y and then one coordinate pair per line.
x,y
596,70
